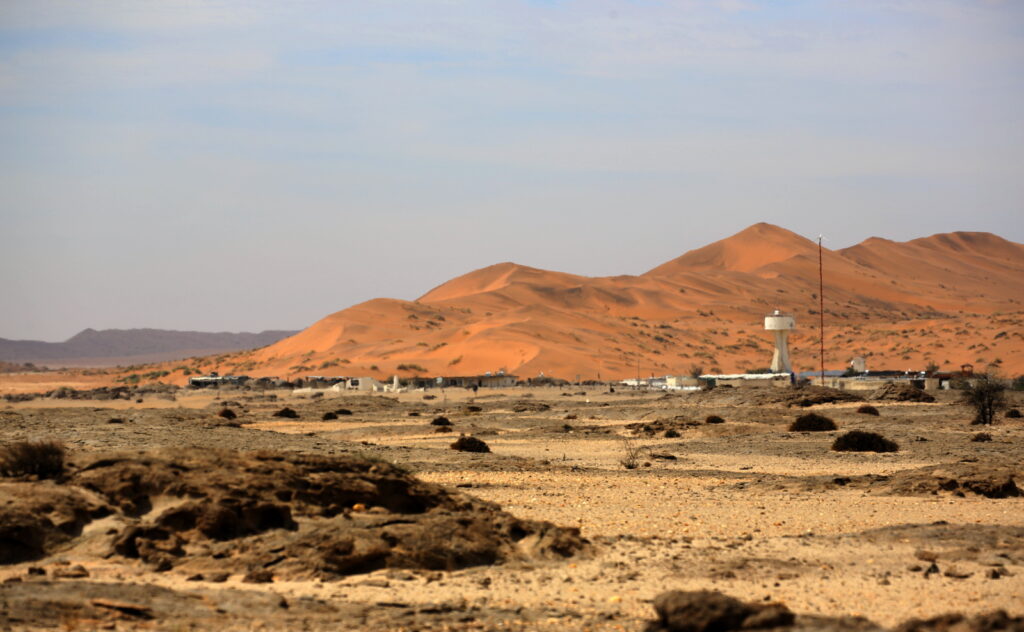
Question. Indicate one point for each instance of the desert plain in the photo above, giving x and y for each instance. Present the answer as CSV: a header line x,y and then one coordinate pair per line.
x,y
174,515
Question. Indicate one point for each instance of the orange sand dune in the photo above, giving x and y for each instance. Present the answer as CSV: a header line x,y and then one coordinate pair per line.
x,y
947,299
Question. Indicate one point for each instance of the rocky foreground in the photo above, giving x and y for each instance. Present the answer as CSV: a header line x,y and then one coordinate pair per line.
x,y
356,513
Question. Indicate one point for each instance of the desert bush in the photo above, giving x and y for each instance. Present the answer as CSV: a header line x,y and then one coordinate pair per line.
x,y
630,454
987,396
671,433
981,437
415,368
812,422
860,441
1013,413
470,444
343,412
328,416
714,419
413,413
441,420
44,459
473,409
569,417
443,429
227,413
286,413
867,409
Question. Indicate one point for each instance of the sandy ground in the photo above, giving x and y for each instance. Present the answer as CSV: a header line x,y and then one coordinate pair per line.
x,y
744,507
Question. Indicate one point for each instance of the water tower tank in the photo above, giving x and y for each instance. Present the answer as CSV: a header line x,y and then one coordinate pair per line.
x,y
781,324
777,321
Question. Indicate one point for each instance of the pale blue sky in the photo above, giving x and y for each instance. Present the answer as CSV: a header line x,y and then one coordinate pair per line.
x,y
222,165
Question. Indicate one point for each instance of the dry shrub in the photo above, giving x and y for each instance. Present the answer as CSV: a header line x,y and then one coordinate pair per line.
x,y
227,413
630,454
860,441
286,413
44,459
987,396
812,422
473,409
1013,413
981,437
343,412
714,419
441,421
328,416
443,429
470,444
868,409
671,433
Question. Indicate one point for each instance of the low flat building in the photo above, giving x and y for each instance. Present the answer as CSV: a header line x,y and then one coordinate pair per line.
x,y
214,380
748,380
488,380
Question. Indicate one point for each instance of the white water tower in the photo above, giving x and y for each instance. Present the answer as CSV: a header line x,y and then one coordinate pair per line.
x,y
781,324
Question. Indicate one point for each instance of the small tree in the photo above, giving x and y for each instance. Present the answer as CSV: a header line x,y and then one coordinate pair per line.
x,y
987,396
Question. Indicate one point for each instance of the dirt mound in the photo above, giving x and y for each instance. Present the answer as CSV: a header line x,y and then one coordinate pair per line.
x,y
802,397
899,392
530,407
812,422
991,481
470,444
709,611
297,516
660,426
38,517
860,441
987,622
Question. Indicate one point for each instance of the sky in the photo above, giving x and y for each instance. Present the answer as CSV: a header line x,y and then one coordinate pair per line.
x,y
222,165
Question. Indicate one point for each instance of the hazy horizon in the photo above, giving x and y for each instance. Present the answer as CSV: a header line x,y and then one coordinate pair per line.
x,y
229,166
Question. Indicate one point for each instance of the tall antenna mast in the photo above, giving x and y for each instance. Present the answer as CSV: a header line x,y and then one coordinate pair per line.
x,y
821,310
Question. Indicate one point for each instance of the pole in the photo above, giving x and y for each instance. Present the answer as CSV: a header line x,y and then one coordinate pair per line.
x,y
821,310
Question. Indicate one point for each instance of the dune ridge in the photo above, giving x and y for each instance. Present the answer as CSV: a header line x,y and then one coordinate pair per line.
x,y
947,299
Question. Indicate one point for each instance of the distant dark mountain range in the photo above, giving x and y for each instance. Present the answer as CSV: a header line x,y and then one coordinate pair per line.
x,y
110,347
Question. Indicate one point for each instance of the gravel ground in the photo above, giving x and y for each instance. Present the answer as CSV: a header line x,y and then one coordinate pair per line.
x,y
744,507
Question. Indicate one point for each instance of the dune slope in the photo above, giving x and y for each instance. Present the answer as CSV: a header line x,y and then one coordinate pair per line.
x,y
947,299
